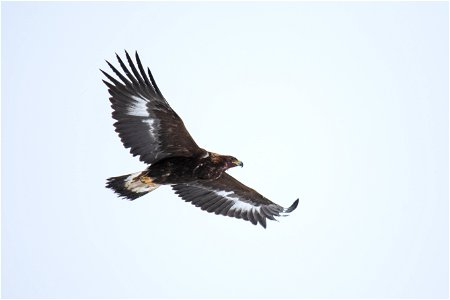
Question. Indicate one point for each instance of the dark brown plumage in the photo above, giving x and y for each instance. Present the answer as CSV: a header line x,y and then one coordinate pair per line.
x,y
148,126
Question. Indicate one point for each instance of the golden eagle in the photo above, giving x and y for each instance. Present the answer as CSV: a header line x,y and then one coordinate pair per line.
x,y
152,130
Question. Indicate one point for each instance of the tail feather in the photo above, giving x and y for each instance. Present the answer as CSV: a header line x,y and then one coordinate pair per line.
x,y
131,186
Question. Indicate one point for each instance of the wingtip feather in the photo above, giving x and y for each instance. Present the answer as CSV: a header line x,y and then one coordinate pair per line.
x,y
292,207
127,56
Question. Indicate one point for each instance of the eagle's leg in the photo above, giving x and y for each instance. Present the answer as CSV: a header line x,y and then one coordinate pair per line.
x,y
147,180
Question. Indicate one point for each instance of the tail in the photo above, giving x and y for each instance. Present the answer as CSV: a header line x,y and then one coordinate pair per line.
x,y
131,186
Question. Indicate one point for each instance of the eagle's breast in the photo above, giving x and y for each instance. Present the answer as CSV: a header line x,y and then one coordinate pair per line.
x,y
185,169
207,171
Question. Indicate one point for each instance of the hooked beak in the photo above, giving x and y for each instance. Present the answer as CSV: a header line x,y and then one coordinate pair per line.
x,y
238,163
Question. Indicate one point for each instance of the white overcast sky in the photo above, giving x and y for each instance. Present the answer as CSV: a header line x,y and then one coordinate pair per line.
x,y
343,105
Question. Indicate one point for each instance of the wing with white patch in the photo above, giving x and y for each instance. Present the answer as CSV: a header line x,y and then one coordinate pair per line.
x,y
229,197
145,121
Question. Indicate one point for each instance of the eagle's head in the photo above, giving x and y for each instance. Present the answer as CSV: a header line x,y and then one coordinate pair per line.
x,y
231,162
224,161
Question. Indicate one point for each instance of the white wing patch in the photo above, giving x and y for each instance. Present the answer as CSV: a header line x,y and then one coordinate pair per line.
x,y
151,126
139,107
238,203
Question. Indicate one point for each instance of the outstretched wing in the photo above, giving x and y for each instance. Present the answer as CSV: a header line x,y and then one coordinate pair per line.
x,y
229,197
145,121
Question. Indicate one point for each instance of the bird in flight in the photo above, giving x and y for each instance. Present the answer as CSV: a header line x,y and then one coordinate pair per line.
x,y
153,131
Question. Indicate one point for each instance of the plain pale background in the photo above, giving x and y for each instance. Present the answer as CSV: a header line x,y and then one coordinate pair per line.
x,y
344,105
